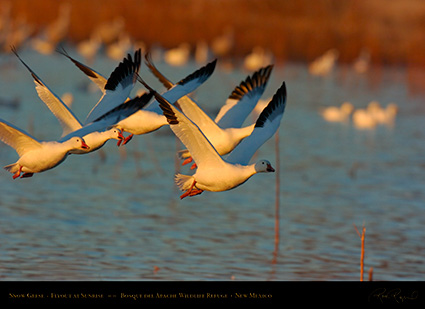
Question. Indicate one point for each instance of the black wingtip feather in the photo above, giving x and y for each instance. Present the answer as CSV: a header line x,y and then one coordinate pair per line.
x,y
85,69
278,100
34,76
164,81
124,69
166,109
257,81
128,108
202,74
163,103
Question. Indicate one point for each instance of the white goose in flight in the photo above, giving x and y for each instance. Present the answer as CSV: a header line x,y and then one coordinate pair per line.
x,y
35,156
71,126
215,173
151,118
226,131
117,88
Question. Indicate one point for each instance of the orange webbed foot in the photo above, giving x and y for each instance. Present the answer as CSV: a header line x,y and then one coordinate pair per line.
x,y
187,161
127,139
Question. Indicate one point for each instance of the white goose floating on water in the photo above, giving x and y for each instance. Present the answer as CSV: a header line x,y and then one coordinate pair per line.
x,y
96,133
35,156
215,173
226,131
150,119
337,114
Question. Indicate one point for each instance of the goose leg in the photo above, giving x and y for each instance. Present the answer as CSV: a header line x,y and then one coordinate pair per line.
x,y
188,191
195,192
27,175
120,140
18,173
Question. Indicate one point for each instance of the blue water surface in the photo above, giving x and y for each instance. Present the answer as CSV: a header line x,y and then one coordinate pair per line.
x,y
116,214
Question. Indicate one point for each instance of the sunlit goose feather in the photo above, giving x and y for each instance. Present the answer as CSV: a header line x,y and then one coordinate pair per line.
x,y
106,126
71,126
118,86
242,100
151,118
94,76
35,156
215,173
265,127
237,107
62,112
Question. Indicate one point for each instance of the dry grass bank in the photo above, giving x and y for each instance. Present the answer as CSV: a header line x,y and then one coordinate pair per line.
x,y
393,31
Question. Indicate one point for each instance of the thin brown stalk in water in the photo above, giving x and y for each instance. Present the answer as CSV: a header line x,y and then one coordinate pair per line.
x,y
362,237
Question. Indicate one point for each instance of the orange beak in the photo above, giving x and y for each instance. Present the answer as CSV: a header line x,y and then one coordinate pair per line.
x,y
84,145
120,136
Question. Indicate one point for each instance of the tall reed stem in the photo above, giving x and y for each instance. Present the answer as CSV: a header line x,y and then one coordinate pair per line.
x,y
362,237
277,197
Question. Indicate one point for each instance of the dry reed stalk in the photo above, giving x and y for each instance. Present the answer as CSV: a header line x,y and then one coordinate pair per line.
x,y
277,204
371,274
362,237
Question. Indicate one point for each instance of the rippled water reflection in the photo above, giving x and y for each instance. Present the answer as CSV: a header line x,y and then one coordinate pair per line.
x,y
118,217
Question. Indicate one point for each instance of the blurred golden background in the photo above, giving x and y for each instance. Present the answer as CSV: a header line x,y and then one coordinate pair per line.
x,y
391,32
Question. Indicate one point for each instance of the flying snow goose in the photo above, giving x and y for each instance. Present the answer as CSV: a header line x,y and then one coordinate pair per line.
x,y
71,126
35,156
226,131
117,87
243,99
215,173
106,126
151,118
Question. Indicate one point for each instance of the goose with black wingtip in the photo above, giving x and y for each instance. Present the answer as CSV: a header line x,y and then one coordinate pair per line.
x,y
215,173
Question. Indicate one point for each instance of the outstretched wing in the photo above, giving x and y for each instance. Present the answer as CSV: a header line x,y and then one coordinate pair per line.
x,y
118,86
21,141
186,104
267,124
66,117
243,99
185,86
202,151
94,76
164,81
127,108
117,114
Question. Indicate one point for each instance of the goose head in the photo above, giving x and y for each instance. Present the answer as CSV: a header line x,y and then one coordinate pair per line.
x,y
78,143
264,166
115,133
